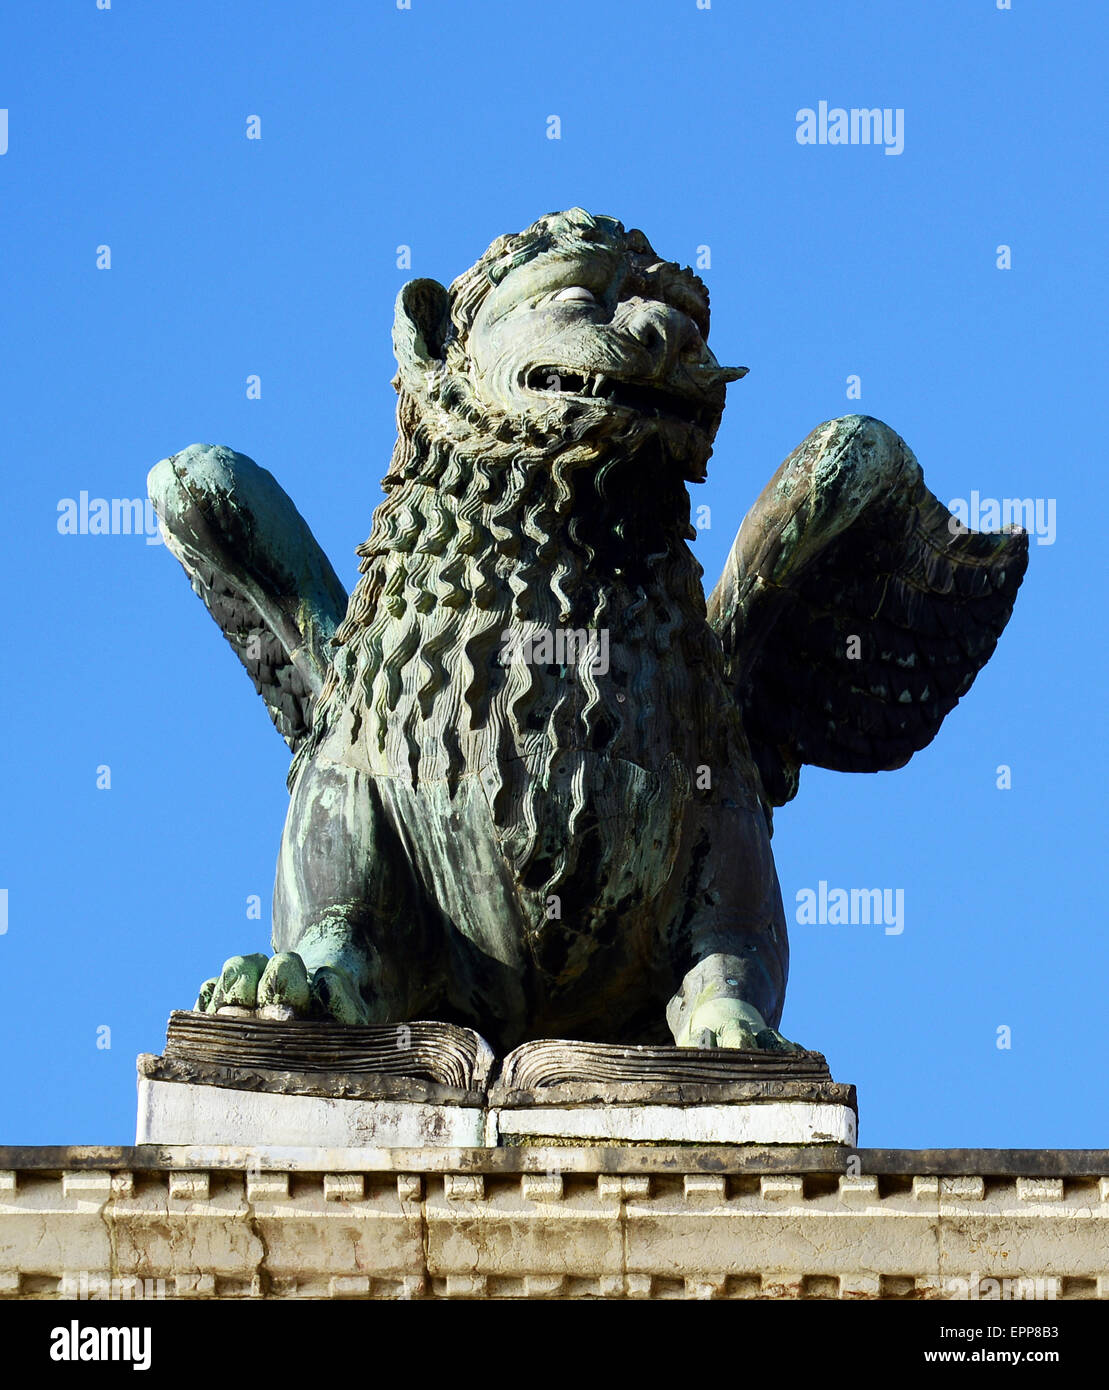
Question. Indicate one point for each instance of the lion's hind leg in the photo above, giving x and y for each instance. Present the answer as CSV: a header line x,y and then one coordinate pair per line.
x,y
732,950
347,923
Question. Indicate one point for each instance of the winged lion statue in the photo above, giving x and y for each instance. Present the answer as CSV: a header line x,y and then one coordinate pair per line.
x,y
533,769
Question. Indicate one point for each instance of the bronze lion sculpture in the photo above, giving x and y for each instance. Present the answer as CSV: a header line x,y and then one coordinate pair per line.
x,y
534,770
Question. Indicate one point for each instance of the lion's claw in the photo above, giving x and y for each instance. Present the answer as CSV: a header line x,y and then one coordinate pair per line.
x,y
721,1021
282,987
336,996
237,986
284,983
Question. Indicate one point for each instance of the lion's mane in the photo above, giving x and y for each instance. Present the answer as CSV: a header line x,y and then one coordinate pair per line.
x,y
486,527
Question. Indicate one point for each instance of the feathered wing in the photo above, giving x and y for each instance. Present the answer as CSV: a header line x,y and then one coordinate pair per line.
x,y
251,557
854,609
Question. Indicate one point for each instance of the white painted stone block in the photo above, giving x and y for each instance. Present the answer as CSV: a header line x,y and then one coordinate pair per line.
x,y
787,1122
178,1112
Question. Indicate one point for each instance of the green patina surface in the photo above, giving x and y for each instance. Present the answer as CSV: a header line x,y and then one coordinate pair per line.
x,y
572,847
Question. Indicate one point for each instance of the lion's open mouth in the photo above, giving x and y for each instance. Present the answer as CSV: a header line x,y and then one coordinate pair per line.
x,y
637,396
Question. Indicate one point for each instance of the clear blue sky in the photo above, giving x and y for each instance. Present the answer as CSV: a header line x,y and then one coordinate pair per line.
x,y
277,257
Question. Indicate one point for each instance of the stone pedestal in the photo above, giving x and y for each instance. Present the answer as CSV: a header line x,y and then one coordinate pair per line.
x,y
243,1080
404,1115
558,1092
239,1079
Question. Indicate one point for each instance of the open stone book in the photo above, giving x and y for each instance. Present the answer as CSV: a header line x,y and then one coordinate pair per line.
x,y
425,1060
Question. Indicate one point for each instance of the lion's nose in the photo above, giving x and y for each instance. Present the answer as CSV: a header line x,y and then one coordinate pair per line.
x,y
662,332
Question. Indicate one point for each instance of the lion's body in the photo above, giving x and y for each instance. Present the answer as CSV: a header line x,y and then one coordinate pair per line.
x,y
544,820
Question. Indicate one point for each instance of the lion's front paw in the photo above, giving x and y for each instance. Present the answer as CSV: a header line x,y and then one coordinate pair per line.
x,y
281,986
731,1023
710,1011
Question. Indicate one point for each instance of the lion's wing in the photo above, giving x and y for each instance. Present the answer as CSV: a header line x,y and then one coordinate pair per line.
x,y
853,610
252,559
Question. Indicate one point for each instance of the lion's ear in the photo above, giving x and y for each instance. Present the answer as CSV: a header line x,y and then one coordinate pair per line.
x,y
420,325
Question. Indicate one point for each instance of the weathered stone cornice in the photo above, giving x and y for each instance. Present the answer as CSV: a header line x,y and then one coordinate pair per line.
x,y
642,1222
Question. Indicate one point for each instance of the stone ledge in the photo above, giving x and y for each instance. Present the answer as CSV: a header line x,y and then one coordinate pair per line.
x,y
817,1158
556,1223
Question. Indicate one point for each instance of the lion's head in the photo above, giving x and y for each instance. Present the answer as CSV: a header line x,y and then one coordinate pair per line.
x,y
573,332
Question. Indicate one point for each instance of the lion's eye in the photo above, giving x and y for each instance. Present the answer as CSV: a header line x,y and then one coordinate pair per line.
x,y
576,292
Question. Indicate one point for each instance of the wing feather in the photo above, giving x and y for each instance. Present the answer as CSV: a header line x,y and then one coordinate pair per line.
x,y
252,560
854,610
